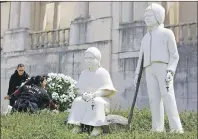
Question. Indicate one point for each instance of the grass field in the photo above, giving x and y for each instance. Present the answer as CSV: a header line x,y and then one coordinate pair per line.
x,y
51,126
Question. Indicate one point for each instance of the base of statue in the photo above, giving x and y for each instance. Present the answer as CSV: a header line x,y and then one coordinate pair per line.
x,y
114,122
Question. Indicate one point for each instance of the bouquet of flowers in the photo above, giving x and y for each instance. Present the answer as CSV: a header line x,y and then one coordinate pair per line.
x,y
62,89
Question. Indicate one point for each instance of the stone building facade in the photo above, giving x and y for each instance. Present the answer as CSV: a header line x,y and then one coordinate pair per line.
x,y
52,37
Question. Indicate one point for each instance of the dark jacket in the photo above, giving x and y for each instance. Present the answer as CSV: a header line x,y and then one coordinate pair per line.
x,y
31,97
15,81
35,94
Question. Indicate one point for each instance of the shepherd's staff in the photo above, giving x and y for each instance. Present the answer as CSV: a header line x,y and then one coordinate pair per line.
x,y
136,92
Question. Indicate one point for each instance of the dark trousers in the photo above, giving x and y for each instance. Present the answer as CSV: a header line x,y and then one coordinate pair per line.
x,y
12,101
23,105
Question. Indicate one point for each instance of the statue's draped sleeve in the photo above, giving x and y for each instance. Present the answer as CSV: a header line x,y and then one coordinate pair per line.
x,y
100,80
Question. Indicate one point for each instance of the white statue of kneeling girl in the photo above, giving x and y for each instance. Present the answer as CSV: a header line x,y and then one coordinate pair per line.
x,y
94,89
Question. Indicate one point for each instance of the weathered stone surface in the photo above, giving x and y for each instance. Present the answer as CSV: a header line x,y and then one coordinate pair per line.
x,y
127,11
25,15
116,119
116,122
16,40
89,31
132,35
14,15
95,7
99,30
138,10
78,34
66,17
82,9
5,12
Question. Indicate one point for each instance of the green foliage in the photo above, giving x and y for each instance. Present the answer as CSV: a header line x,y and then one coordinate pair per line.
x,y
51,126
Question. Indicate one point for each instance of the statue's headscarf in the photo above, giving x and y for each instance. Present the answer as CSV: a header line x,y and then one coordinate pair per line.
x,y
95,52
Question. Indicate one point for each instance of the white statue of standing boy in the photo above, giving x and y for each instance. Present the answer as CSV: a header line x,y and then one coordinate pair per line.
x,y
94,88
161,57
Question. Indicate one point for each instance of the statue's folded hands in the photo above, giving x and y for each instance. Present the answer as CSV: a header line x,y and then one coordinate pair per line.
x,y
169,76
87,96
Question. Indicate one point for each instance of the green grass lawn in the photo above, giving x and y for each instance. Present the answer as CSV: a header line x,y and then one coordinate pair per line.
x,y
51,126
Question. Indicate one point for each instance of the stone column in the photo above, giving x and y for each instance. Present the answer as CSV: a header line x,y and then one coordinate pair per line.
x,y
17,37
138,10
116,100
74,33
126,12
15,15
82,10
25,15
158,2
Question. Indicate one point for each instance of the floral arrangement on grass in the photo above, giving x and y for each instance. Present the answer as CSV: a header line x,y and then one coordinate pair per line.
x,y
62,89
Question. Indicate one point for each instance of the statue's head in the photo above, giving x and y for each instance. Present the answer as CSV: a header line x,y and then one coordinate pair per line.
x,y
154,15
92,57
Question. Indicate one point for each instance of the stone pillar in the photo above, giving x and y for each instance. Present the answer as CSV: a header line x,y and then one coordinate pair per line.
x,y
138,10
17,37
115,48
56,15
39,9
74,33
15,15
158,2
25,15
126,12
82,10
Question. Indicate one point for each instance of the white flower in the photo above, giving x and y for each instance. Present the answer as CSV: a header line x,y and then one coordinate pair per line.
x,y
61,100
52,74
55,96
57,82
59,86
49,79
65,99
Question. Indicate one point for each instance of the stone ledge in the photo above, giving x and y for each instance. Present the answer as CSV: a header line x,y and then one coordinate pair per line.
x,y
16,30
53,50
129,54
88,31
86,20
16,40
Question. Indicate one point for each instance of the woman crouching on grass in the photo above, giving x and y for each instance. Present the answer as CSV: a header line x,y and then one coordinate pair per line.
x,y
32,96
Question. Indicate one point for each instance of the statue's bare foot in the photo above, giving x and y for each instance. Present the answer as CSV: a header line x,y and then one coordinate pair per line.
x,y
179,131
76,130
96,131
